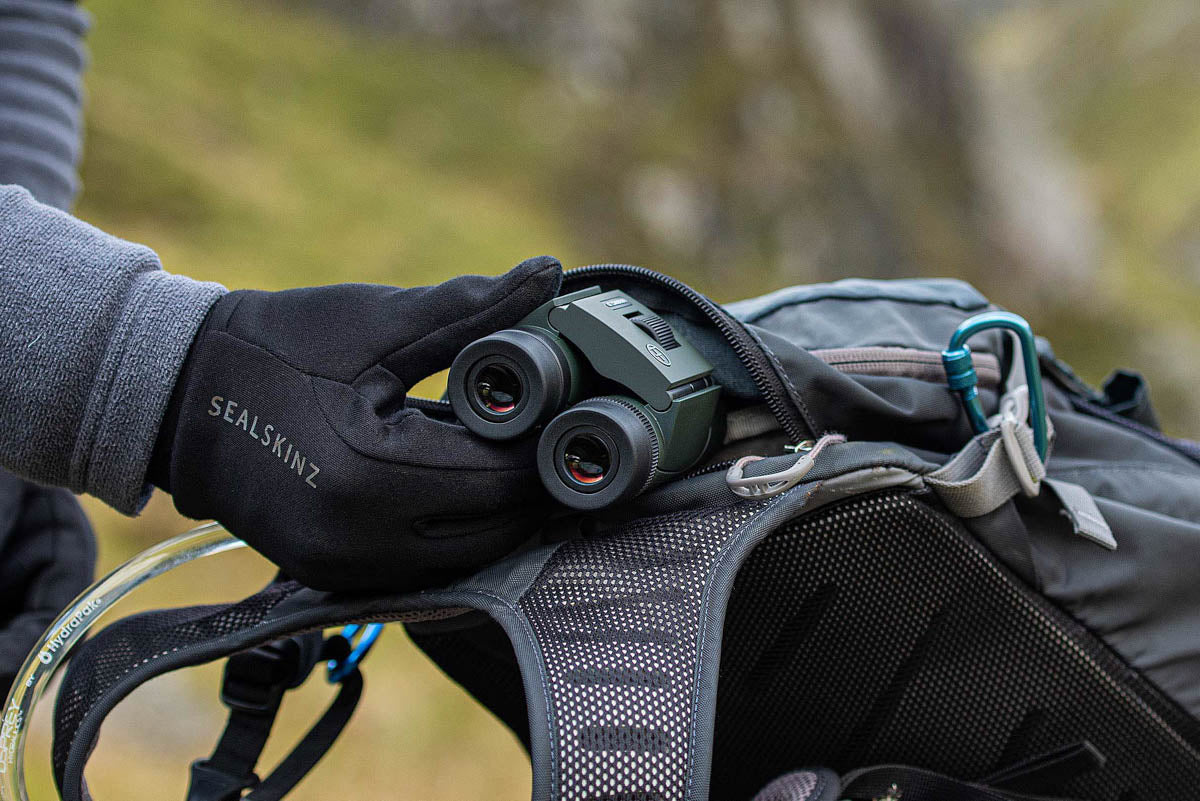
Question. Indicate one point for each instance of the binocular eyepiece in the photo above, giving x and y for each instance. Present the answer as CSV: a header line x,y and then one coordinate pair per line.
x,y
623,403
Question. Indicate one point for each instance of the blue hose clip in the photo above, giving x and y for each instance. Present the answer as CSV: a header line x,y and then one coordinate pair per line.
x,y
336,670
960,371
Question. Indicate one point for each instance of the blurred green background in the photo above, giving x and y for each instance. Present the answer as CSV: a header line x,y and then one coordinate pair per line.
x,y
1048,152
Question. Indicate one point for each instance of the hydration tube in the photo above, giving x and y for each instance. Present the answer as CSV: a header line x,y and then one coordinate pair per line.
x,y
68,630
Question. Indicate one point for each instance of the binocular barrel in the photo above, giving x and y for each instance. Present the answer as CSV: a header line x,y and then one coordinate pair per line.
x,y
652,418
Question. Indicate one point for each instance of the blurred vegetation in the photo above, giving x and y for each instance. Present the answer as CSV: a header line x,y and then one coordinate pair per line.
x,y
1047,152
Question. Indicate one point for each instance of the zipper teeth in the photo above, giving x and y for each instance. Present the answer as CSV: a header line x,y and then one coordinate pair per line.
x,y
764,377
429,404
1183,447
712,468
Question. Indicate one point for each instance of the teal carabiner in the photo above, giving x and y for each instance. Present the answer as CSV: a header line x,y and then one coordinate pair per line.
x,y
338,669
960,371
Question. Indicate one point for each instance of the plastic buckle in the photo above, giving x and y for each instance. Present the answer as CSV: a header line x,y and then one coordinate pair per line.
x,y
336,670
207,782
773,484
256,680
960,372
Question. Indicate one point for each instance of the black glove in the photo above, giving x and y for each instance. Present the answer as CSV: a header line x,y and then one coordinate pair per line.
x,y
47,555
289,425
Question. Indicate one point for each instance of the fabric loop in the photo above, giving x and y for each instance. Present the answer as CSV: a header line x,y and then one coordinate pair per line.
x,y
993,467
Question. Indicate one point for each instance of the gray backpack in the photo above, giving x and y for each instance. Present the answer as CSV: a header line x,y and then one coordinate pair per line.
x,y
922,611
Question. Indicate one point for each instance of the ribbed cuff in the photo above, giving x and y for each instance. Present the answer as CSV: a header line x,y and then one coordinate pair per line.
x,y
133,386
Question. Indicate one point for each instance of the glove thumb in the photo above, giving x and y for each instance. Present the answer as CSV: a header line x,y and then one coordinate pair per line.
x,y
458,312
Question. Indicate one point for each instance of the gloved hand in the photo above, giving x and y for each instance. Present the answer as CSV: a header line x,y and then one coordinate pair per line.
x,y
288,424
47,555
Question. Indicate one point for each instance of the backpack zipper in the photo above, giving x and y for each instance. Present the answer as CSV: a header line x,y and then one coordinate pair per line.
x,y
749,352
1181,446
763,373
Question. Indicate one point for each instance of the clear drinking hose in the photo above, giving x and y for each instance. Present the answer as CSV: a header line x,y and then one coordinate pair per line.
x,y
67,631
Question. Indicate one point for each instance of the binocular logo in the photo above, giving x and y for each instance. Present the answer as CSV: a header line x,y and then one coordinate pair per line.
x,y
658,354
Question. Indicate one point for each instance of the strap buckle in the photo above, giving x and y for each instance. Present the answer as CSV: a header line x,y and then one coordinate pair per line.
x,y
208,782
256,680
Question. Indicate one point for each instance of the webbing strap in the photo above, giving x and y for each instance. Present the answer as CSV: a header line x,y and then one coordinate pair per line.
x,y
1044,772
253,688
312,747
982,476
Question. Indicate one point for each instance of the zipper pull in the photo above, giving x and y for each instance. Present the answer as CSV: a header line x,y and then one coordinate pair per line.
x,y
774,483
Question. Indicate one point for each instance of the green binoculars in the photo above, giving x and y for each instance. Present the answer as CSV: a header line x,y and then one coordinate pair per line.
x,y
622,402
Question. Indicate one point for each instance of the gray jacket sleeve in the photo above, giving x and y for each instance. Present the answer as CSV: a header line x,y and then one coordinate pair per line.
x,y
92,331
41,60
94,334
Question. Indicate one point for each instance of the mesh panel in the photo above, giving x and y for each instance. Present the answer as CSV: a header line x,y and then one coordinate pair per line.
x,y
618,619
878,631
136,640
799,786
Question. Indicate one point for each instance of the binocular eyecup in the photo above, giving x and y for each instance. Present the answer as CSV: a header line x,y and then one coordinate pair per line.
x,y
505,385
599,452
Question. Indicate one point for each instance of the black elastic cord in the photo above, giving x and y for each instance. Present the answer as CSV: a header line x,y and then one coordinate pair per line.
x,y
1045,773
915,784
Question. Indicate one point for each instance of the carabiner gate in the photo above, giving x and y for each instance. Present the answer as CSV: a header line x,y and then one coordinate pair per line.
x,y
960,372
338,669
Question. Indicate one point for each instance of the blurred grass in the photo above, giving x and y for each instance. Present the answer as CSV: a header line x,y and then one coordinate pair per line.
x,y
260,146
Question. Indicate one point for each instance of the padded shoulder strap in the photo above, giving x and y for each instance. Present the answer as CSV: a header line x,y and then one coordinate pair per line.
x,y
629,628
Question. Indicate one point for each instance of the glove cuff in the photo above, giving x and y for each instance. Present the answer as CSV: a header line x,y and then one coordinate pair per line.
x,y
159,472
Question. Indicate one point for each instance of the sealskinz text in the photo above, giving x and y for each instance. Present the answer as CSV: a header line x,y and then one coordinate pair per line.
x,y
267,436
